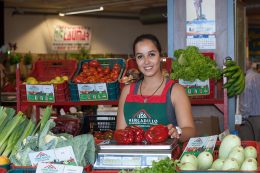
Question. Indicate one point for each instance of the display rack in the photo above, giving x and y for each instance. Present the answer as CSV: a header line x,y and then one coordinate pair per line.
x,y
219,101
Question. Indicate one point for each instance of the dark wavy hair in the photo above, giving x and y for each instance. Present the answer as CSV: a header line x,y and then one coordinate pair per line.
x,y
151,37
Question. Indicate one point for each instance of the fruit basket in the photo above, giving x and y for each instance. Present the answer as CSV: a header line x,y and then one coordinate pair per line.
x,y
55,72
215,156
95,72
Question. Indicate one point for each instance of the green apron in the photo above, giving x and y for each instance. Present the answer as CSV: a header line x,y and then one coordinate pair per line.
x,y
157,110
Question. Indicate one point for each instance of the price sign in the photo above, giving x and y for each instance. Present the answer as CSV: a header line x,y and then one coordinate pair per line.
x,y
40,93
88,92
197,87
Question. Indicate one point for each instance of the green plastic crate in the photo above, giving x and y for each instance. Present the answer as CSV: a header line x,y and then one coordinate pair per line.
x,y
113,88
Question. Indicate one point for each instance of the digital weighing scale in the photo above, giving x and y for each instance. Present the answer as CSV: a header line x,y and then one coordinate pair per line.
x,y
114,156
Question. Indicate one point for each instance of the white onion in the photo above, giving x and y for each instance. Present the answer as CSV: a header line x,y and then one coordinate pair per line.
x,y
230,164
217,164
190,158
187,166
250,152
228,143
238,155
205,160
250,164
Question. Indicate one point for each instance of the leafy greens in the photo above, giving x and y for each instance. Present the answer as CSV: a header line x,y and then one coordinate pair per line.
x,y
190,65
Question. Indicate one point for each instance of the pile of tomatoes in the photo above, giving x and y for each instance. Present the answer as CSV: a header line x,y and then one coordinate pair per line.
x,y
93,72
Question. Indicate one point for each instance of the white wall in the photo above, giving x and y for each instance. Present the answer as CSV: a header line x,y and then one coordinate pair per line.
x,y
34,32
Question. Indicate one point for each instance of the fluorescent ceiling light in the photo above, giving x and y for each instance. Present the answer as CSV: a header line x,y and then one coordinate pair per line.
x,y
81,11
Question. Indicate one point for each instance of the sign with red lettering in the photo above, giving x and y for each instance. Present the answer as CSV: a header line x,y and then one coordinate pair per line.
x,y
71,38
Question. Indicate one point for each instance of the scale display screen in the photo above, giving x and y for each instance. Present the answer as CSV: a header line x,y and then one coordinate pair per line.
x,y
105,161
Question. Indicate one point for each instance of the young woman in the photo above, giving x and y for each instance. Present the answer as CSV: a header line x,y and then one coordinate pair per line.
x,y
154,99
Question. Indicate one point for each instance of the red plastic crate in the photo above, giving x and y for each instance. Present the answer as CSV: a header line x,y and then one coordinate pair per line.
x,y
45,70
131,63
215,156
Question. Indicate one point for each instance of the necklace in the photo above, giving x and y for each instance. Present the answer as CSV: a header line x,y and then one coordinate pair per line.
x,y
146,98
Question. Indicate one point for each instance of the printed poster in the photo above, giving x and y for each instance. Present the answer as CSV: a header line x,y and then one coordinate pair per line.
x,y
201,24
71,38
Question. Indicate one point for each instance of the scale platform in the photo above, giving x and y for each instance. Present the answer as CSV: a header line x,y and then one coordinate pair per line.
x,y
113,156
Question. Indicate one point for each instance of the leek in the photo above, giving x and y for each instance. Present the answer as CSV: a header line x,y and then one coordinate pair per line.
x,y
3,115
8,129
46,116
27,132
2,148
10,113
14,137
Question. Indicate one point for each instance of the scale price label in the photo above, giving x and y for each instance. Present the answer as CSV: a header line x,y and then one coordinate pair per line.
x,y
123,161
110,160
132,161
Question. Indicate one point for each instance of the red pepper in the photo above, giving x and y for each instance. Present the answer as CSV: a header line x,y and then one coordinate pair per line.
x,y
157,133
124,136
138,133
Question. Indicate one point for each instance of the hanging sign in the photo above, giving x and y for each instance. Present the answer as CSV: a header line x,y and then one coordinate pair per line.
x,y
71,38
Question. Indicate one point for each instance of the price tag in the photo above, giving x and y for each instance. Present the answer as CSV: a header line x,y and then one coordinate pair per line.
x,y
197,87
92,92
40,93
58,168
63,155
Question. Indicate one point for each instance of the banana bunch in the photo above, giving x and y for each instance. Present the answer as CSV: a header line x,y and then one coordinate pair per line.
x,y
235,78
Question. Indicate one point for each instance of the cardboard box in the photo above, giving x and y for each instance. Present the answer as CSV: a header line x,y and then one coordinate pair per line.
x,y
206,125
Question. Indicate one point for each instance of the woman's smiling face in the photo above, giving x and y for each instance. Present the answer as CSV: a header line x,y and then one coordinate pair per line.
x,y
147,57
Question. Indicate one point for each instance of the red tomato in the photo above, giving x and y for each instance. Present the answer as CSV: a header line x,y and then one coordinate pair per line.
x,y
83,74
100,74
116,71
78,79
92,69
106,70
109,80
85,65
114,76
85,70
102,80
94,63
116,66
99,69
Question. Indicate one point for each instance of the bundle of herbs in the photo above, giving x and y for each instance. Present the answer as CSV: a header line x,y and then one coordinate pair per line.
x,y
190,65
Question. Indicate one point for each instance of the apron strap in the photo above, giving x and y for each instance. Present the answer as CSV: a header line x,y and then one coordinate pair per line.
x,y
167,86
132,87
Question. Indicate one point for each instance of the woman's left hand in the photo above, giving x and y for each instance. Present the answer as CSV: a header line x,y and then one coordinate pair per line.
x,y
173,131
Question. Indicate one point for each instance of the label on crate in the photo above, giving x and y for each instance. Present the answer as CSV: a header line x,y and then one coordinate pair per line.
x,y
58,168
93,92
197,87
199,144
63,155
40,93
